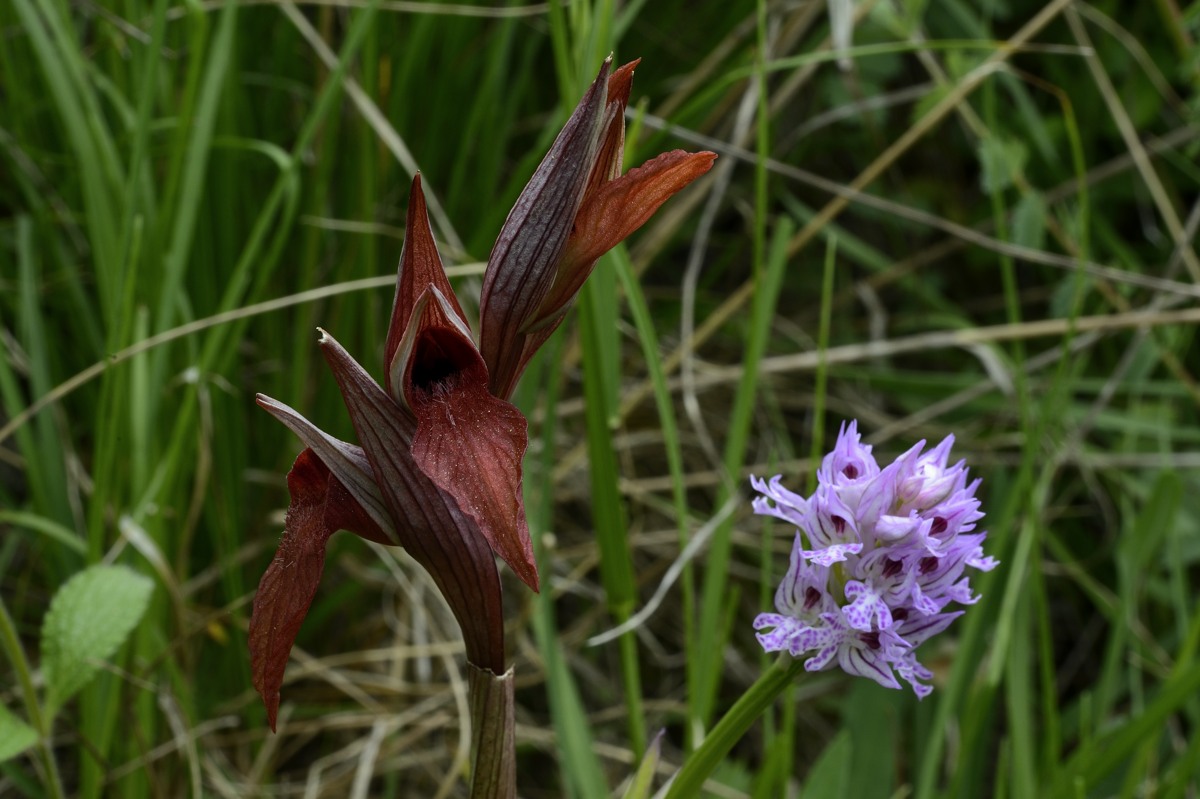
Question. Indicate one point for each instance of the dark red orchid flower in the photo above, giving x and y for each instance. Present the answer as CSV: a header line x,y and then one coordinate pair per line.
x,y
439,467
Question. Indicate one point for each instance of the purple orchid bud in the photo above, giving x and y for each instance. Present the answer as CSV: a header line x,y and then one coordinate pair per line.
x,y
850,466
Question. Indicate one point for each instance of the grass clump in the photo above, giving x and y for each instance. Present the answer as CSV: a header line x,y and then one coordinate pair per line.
x,y
983,227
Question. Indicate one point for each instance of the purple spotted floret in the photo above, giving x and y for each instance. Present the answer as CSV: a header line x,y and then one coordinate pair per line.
x,y
879,556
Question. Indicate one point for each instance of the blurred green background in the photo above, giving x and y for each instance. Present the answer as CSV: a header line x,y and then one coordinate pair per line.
x,y
1018,270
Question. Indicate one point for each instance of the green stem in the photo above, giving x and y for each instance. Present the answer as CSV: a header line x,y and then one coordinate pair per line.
x,y
493,737
16,655
733,726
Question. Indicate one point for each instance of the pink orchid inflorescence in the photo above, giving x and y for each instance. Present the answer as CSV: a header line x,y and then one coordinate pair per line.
x,y
878,557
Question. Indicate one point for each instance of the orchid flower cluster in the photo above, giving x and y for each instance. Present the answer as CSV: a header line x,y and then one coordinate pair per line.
x,y
879,556
437,469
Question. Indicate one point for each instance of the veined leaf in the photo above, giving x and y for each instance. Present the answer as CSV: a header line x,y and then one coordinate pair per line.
x,y
89,618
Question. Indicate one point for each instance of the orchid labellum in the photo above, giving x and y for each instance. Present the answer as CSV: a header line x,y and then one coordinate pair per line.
x,y
438,465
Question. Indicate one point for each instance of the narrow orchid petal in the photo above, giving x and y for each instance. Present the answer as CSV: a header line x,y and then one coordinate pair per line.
x,y
471,444
979,561
834,553
440,536
779,637
610,154
401,356
523,261
447,350
823,658
919,629
625,204
609,158
320,506
287,587
420,267
867,610
347,462
610,214
620,83
626,213
467,441
777,501
911,671
864,662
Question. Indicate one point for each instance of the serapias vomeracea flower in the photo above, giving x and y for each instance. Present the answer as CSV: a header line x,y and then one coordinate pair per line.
x,y
438,468
879,557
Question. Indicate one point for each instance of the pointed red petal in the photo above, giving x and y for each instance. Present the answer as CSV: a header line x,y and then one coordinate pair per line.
x,y
320,505
439,535
467,441
347,462
625,204
471,444
621,82
521,267
612,138
420,267
609,215
344,512
611,151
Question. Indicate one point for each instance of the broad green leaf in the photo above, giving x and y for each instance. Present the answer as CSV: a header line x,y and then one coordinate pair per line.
x,y
734,776
960,63
927,103
1145,548
1029,221
89,618
1001,160
15,735
830,775
870,715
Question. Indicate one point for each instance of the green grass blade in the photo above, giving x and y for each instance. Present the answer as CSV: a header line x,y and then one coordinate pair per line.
x,y
597,321
714,598
580,773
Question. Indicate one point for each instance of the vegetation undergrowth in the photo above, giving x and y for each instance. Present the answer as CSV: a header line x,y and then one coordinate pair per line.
x,y
981,226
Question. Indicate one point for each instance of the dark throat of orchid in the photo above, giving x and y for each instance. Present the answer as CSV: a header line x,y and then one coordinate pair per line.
x,y
441,359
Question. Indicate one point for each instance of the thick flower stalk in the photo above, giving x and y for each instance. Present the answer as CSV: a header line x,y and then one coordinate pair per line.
x,y
438,466
880,556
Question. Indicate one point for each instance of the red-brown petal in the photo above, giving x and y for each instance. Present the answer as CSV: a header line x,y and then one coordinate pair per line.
x,y
521,267
343,512
625,204
347,462
420,267
620,83
610,153
468,442
319,507
609,215
471,444
440,536
612,137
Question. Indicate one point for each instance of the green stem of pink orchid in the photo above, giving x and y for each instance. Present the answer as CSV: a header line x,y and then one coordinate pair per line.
x,y
733,726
